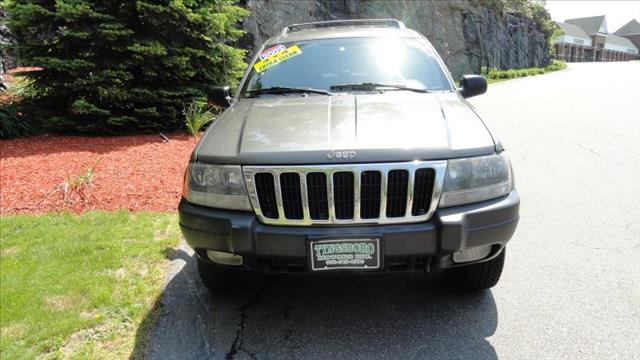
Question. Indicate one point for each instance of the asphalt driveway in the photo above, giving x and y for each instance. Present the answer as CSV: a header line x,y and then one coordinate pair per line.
x,y
571,283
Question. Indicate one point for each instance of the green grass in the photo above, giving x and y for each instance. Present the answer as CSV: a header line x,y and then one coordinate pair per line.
x,y
494,75
80,286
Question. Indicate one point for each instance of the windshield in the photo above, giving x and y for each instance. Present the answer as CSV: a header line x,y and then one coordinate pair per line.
x,y
321,64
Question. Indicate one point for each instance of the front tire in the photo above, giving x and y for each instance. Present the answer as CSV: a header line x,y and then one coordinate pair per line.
x,y
477,277
218,278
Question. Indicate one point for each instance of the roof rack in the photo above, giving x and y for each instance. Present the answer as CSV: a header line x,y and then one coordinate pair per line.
x,y
392,23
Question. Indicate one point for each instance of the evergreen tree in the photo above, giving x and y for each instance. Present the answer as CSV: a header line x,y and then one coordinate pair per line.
x,y
121,66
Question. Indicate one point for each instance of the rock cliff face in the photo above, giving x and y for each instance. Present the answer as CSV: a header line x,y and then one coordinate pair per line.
x,y
6,62
465,35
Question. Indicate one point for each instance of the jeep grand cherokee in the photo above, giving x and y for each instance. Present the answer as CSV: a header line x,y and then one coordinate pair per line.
x,y
347,148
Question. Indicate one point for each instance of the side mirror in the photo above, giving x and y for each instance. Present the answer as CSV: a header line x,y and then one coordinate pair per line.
x,y
219,96
472,85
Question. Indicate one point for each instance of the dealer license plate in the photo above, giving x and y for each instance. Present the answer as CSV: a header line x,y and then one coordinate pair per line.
x,y
362,254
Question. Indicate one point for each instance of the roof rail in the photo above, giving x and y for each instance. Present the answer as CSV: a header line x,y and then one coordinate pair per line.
x,y
393,23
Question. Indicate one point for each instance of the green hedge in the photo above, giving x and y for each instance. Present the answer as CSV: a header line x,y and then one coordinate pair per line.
x,y
115,66
495,74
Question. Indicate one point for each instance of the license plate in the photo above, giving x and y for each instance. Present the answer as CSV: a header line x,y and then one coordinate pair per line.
x,y
361,254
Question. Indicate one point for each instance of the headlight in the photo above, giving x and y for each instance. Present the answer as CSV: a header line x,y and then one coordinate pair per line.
x,y
476,179
220,186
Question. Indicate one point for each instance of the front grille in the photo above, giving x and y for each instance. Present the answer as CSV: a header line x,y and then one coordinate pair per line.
x,y
291,196
267,195
397,183
317,196
343,195
421,196
370,185
339,194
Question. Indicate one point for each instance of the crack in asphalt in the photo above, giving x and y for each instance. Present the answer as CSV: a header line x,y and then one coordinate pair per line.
x,y
202,323
238,340
193,287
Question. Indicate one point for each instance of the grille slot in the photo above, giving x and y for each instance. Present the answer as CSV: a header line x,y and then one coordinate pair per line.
x,y
317,195
397,183
266,195
343,195
423,184
370,186
291,196
372,193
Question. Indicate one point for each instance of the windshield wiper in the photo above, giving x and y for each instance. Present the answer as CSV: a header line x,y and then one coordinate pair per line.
x,y
285,89
373,86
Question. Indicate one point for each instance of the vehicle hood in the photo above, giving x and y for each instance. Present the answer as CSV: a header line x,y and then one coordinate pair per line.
x,y
372,127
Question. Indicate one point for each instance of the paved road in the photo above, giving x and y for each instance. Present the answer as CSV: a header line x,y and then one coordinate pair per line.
x,y
571,285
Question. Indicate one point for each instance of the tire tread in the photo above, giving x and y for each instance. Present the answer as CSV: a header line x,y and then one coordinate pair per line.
x,y
478,277
217,278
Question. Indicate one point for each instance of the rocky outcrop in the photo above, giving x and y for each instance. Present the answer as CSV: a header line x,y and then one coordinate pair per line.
x,y
6,61
467,36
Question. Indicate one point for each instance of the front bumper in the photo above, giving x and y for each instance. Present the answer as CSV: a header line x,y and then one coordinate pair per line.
x,y
426,245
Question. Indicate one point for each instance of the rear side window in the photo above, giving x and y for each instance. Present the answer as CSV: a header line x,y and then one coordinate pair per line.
x,y
319,64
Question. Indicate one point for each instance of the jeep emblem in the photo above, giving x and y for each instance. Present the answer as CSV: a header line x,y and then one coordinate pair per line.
x,y
341,154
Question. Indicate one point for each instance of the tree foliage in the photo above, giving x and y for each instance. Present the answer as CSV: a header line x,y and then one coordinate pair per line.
x,y
123,66
535,11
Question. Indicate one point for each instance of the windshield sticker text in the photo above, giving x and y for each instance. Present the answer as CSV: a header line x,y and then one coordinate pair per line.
x,y
278,57
272,51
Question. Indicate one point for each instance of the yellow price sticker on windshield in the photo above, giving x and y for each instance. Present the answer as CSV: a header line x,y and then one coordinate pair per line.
x,y
276,58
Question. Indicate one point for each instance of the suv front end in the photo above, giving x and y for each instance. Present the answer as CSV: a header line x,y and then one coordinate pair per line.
x,y
340,179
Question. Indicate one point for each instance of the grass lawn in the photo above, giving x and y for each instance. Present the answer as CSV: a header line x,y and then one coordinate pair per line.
x,y
80,286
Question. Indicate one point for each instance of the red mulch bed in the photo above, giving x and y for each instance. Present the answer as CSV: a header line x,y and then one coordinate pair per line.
x,y
130,172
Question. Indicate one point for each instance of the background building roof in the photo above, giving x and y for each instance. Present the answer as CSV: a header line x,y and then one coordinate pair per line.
x,y
630,28
591,25
620,41
573,30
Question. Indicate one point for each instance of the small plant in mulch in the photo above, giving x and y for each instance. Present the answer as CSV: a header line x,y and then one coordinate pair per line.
x,y
196,116
77,186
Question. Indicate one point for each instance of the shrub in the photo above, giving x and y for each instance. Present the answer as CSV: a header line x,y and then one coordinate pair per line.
x,y
557,65
12,124
123,66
